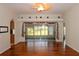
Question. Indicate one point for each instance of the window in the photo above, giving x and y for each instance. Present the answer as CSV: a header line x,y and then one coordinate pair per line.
x,y
37,30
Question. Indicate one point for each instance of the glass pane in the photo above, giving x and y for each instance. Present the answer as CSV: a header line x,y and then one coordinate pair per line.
x,y
51,30
36,30
29,31
44,30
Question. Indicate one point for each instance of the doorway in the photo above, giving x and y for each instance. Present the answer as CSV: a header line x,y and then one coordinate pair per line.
x,y
12,36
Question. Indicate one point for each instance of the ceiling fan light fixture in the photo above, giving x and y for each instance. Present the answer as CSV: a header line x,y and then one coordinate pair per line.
x,y
41,7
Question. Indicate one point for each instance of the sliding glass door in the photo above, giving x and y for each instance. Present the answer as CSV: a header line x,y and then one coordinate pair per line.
x,y
40,31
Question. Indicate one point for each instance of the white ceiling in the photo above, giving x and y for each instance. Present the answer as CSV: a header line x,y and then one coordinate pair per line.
x,y
27,7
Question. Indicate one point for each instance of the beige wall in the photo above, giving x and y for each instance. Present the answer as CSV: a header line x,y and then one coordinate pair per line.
x,y
5,16
71,18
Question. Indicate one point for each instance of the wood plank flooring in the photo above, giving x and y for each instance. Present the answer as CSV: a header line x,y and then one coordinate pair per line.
x,y
40,48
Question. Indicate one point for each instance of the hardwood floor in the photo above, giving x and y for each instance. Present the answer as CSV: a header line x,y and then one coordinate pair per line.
x,y
40,48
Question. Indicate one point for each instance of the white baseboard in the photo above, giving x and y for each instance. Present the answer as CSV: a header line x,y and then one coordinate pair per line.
x,y
4,50
8,48
72,47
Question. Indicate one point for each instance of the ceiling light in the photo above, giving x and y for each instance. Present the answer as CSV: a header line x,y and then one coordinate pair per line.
x,y
41,7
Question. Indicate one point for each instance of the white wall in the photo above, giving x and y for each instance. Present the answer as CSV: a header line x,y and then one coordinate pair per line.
x,y
5,16
19,21
60,29
18,32
71,18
